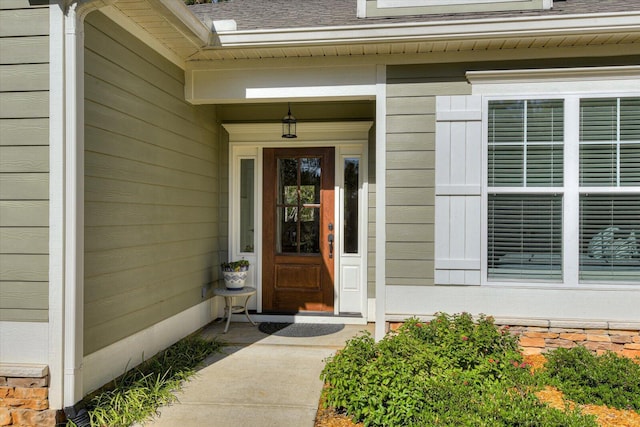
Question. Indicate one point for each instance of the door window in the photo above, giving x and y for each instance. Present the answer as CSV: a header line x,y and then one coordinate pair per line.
x,y
298,205
351,186
247,205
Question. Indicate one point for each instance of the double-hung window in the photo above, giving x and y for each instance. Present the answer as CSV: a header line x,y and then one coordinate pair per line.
x,y
525,179
563,189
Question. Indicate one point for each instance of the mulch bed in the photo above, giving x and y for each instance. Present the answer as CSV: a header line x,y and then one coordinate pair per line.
x,y
606,417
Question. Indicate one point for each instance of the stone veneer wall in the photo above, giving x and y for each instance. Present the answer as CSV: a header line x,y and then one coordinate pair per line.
x,y
543,336
24,396
536,339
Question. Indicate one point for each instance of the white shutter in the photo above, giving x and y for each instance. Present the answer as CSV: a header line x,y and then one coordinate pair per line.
x,y
458,190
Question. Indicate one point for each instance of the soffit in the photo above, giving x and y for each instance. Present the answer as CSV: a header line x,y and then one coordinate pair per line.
x,y
166,23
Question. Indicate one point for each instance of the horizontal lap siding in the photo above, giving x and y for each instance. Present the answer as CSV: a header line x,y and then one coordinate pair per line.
x,y
410,179
24,161
151,188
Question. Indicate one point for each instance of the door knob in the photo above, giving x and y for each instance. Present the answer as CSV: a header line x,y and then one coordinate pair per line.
x,y
331,245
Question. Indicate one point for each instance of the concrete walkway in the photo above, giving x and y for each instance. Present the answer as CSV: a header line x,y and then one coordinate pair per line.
x,y
258,380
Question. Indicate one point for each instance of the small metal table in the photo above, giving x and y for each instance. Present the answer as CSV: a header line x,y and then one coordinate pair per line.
x,y
229,309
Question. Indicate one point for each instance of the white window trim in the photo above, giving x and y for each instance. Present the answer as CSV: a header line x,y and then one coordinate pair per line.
x,y
430,3
520,190
385,4
570,85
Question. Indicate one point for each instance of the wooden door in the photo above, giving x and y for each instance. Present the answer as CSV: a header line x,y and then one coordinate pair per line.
x,y
298,230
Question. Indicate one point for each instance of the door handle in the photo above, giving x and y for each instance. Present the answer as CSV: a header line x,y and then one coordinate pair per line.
x,y
330,245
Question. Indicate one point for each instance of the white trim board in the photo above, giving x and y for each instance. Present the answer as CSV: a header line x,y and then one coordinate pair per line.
x,y
612,305
112,361
300,318
24,342
555,81
381,197
266,85
57,164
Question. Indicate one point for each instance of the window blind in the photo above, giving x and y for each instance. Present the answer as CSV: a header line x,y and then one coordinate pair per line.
x,y
609,237
610,142
525,236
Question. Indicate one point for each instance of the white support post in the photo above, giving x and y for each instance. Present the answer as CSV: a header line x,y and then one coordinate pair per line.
x,y
56,205
381,216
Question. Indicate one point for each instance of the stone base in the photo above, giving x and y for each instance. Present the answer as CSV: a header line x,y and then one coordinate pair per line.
x,y
24,396
535,339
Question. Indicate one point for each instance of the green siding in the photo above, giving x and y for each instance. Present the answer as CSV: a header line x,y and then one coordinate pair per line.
x,y
151,188
24,161
371,235
410,179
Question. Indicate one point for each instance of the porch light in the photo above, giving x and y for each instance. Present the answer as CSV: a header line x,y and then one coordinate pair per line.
x,y
289,125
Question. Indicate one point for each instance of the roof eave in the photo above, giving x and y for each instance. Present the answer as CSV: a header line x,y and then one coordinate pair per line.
x,y
185,21
425,31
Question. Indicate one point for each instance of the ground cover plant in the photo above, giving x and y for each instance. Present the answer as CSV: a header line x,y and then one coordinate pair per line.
x,y
139,393
606,379
452,371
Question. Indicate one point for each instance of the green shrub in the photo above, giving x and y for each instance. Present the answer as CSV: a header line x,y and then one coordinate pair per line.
x,y
463,342
583,377
451,371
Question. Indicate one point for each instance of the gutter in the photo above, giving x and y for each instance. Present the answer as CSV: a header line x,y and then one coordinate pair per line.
x,y
518,27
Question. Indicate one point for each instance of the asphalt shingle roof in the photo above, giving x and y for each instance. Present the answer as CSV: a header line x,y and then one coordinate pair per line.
x,y
282,14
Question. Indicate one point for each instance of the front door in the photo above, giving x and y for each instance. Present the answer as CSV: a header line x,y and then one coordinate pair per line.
x,y
298,230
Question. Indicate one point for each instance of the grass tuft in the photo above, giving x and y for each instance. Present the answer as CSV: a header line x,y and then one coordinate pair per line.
x,y
137,395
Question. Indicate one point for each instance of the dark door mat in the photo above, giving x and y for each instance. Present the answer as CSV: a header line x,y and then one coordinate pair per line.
x,y
299,330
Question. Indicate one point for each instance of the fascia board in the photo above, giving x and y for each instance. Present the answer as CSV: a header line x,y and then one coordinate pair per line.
x,y
431,31
562,75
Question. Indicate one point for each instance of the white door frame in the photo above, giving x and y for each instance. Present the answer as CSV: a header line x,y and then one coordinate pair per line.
x,y
350,139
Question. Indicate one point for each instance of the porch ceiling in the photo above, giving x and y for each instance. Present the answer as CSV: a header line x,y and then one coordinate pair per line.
x,y
173,26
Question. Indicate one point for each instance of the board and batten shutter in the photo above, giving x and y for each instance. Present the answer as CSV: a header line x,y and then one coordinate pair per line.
x,y
458,177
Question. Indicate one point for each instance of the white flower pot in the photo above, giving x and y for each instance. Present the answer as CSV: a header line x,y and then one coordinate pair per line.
x,y
234,279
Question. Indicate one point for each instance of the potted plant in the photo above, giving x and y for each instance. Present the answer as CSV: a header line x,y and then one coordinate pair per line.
x,y
235,273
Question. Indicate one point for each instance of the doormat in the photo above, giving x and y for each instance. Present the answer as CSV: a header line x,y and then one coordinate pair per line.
x,y
299,330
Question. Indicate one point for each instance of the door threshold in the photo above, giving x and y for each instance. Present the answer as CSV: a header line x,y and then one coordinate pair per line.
x,y
301,318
